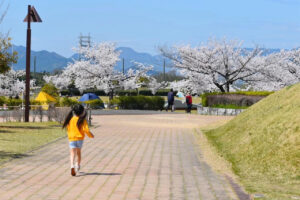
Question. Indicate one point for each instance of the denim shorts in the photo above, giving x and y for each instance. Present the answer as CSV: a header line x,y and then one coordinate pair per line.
x,y
76,144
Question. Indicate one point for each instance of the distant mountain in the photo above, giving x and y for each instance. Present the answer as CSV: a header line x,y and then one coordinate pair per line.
x,y
45,60
130,56
49,61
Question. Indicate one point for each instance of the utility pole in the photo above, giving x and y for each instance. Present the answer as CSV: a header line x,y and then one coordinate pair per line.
x,y
84,41
123,66
164,70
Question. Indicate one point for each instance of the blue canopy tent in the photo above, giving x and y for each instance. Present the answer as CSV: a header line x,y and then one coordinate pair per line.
x,y
88,97
180,94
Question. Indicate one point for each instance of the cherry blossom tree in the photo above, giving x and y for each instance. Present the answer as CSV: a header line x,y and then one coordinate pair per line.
x,y
287,67
153,85
11,83
278,70
96,70
218,64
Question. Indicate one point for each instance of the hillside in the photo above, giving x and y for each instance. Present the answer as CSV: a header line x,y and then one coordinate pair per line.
x,y
263,145
45,60
131,56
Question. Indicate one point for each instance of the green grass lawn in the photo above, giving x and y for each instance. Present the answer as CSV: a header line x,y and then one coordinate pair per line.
x,y
263,145
17,138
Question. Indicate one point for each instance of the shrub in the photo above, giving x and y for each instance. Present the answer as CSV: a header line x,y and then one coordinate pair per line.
x,y
158,102
162,92
145,92
126,92
114,101
50,89
141,102
2,101
34,102
65,101
95,104
65,93
14,102
70,92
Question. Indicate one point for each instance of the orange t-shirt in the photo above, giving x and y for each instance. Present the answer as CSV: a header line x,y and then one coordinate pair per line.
x,y
74,133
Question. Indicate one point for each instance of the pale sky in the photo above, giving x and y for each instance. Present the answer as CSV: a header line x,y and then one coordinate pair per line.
x,y
144,25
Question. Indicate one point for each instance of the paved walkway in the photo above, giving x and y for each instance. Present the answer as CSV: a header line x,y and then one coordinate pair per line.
x,y
132,157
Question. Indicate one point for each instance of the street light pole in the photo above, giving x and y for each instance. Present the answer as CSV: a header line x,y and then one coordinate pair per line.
x,y
32,16
28,47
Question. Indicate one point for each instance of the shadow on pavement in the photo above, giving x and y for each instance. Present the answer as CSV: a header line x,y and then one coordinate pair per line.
x,y
98,174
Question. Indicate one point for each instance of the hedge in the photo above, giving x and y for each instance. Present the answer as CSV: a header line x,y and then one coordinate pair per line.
x,y
126,92
141,102
96,92
65,101
2,101
15,102
50,89
143,92
70,92
240,98
95,104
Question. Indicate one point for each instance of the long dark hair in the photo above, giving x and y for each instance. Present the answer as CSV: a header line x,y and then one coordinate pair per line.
x,y
78,110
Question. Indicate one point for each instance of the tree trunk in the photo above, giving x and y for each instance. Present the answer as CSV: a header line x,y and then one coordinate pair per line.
x,y
227,87
220,87
111,95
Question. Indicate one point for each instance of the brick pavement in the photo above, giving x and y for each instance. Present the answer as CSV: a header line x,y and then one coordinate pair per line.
x,y
132,157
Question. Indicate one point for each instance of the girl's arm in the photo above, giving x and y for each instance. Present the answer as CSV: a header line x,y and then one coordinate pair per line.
x,y
86,129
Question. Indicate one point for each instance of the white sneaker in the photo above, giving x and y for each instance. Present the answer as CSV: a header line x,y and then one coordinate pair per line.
x,y
77,167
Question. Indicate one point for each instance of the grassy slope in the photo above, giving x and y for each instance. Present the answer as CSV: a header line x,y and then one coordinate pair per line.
x,y
18,138
263,145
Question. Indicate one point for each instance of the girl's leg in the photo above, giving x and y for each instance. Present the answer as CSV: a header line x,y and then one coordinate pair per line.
x,y
78,153
72,156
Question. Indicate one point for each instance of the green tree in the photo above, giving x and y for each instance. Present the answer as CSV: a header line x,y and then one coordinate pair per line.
x,y
7,58
50,89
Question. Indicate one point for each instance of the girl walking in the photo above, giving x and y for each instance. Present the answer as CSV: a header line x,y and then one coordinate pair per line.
x,y
77,127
